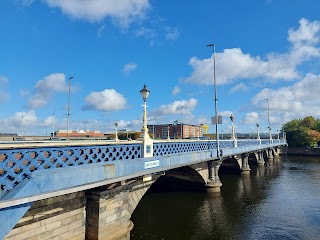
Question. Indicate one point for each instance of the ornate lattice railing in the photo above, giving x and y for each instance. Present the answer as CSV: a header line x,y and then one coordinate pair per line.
x,y
18,164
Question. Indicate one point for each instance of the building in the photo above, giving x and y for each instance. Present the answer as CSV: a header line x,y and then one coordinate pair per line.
x,y
176,130
79,134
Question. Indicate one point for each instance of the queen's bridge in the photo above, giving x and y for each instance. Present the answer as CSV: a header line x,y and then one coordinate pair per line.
x,y
89,189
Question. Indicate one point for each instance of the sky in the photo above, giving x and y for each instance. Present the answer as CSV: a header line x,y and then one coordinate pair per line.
x,y
267,57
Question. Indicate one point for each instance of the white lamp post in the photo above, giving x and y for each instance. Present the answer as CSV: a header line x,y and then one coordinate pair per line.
x,y
168,133
145,94
68,119
233,135
215,97
116,138
258,133
147,141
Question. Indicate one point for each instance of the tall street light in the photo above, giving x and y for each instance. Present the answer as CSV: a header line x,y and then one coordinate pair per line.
x,y
145,94
147,141
116,138
215,96
233,136
270,137
181,128
258,133
68,120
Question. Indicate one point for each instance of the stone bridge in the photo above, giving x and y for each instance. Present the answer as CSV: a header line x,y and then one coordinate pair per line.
x,y
89,189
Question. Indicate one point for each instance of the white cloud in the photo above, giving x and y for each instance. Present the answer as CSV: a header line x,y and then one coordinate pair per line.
x,y
107,100
129,67
45,88
176,90
123,12
172,33
3,80
251,118
177,107
101,30
233,64
296,101
241,87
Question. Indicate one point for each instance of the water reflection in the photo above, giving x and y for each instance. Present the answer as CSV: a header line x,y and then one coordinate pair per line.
x,y
277,201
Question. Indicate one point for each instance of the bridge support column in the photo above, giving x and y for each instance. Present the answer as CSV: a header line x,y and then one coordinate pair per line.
x,y
270,154
259,157
245,165
213,184
107,218
109,208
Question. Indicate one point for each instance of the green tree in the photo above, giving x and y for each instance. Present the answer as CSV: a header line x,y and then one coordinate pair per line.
x,y
309,122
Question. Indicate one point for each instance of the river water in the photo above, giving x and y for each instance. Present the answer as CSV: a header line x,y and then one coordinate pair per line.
x,y
279,201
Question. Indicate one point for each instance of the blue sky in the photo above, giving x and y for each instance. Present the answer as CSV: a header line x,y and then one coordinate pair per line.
x,y
265,49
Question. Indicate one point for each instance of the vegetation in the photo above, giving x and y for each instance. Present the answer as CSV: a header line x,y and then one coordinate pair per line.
x,y
303,132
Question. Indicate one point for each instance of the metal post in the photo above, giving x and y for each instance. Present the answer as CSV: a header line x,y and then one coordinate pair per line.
x,y
270,136
215,96
68,120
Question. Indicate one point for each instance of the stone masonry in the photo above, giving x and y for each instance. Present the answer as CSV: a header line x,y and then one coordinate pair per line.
x,y
61,217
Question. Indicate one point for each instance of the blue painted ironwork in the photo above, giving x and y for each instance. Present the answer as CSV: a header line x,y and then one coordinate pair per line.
x,y
18,164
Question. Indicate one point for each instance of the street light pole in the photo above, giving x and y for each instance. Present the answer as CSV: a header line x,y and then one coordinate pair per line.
x,y
215,96
270,136
116,138
181,128
68,120
258,133
145,93
147,141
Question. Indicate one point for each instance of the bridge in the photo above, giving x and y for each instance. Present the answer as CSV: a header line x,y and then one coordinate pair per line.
x,y
89,189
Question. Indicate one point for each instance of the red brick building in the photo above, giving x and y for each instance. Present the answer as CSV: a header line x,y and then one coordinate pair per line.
x,y
160,131
79,134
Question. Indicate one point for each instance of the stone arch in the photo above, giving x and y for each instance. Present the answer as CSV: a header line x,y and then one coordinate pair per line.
x,y
232,164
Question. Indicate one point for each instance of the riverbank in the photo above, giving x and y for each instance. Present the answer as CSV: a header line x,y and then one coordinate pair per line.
x,y
303,151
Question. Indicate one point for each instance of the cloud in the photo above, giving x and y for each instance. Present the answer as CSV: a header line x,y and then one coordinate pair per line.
x,y
129,67
3,80
233,64
296,101
107,100
123,12
45,88
19,119
172,33
241,87
101,30
176,90
177,107
251,118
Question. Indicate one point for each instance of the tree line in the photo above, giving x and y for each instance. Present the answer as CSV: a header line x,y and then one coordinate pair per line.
x,y
303,132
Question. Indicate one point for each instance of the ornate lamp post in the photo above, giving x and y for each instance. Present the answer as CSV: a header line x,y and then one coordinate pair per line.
x,y
258,133
116,138
147,141
145,94
233,136
168,133
68,119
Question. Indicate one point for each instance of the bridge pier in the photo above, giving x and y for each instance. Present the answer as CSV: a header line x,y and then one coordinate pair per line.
x,y
109,208
259,157
245,169
270,154
214,183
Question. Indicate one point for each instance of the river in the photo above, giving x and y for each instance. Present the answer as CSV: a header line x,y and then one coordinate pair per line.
x,y
279,201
